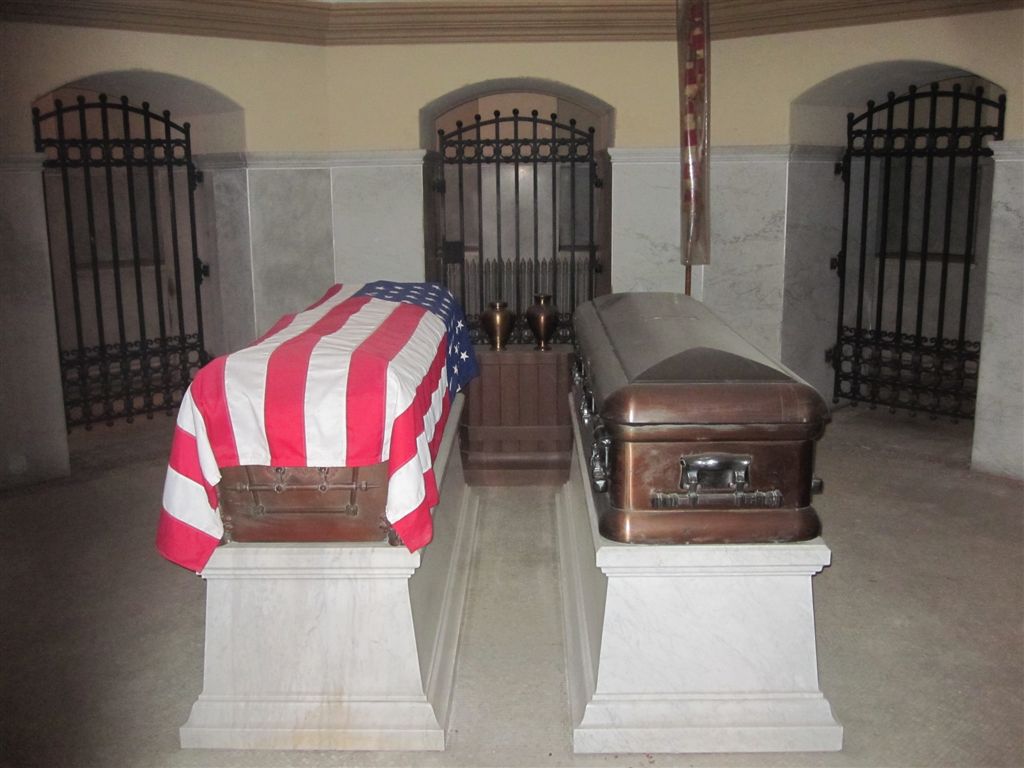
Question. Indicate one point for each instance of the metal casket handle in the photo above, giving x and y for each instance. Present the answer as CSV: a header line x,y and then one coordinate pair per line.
x,y
714,472
600,454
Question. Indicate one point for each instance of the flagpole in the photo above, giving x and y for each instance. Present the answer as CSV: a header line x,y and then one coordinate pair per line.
x,y
692,43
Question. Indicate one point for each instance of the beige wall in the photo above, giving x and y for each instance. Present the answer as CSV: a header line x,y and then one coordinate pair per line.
x,y
308,98
277,84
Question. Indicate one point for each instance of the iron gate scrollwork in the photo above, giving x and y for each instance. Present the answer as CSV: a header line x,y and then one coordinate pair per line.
x,y
909,319
517,216
120,194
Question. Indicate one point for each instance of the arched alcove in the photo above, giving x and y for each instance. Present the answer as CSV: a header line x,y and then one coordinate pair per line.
x,y
519,201
894,231
131,235
218,121
569,100
818,115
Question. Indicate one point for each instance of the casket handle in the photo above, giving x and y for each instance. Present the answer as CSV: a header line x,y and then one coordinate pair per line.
x,y
714,472
716,480
577,368
600,457
586,406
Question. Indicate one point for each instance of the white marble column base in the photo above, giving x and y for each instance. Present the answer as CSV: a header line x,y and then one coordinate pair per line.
x,y
348,646
709,723
316,722
700,648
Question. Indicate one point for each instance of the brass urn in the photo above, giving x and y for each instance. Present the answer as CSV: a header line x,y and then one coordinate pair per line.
x,y
542,318
497,321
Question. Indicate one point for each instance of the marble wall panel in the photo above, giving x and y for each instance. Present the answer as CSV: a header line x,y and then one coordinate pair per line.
x,y
292,239
34,442
999,416
378,217
744,282
814,217
645,220
206,247
231,274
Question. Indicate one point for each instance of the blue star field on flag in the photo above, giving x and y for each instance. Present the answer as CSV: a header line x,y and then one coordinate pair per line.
x,y
435,298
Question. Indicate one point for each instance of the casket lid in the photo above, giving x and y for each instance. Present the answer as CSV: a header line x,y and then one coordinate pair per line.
x,y
665,358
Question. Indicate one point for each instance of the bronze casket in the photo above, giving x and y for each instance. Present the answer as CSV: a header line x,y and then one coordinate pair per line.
x,y
690,434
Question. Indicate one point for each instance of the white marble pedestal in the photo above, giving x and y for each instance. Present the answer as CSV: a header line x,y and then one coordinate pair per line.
x,y
701,648
337,646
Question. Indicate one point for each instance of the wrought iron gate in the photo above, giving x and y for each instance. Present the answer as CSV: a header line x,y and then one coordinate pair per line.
x,y
120,184
517,216
909,319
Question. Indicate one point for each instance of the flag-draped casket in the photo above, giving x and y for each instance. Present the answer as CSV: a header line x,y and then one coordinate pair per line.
x,y
361,381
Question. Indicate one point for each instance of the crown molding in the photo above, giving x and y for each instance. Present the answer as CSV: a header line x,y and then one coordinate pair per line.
x,y
455,21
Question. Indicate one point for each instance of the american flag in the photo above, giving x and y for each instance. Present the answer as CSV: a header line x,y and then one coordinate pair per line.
x,y
365,375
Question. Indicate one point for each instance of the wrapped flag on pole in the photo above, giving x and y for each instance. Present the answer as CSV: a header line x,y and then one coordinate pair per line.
x,y
692,36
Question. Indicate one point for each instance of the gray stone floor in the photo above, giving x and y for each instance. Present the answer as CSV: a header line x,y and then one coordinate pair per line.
x,y
920,618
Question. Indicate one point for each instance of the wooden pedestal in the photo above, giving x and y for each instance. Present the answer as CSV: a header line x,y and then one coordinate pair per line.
x,y
516,427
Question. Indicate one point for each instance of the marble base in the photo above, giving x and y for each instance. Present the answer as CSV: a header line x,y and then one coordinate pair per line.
x,y
702,648
708,724
337,646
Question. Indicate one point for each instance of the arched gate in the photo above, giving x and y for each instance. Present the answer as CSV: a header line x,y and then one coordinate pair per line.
x,y
917,180
517,215
119,184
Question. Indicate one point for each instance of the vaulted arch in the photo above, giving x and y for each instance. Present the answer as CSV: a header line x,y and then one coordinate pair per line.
x,y
519,203
218,120
567,98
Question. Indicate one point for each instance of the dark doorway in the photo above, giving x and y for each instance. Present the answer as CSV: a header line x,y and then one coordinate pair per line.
x,y
540,176
120,189
518,199
917,193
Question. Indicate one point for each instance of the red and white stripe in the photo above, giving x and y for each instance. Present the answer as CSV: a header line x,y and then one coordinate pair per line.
x,y
351,381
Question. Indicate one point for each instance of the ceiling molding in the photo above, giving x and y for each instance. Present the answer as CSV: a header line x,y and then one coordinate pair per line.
x,y
455,21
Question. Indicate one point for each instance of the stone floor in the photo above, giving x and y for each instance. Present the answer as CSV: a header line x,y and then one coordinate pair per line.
x,y
920,618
